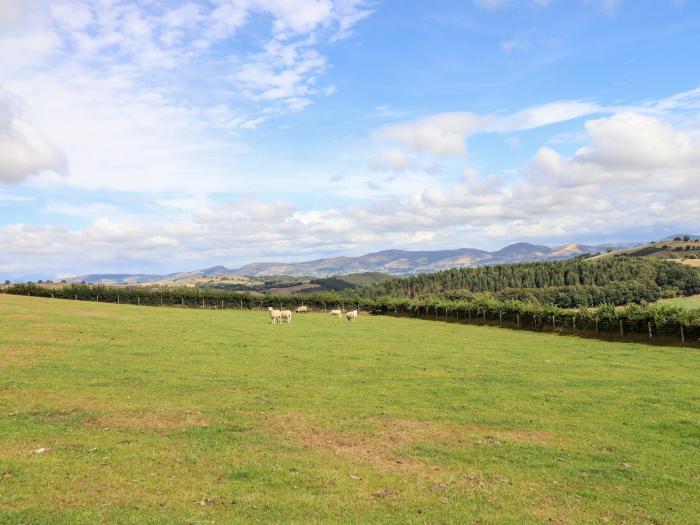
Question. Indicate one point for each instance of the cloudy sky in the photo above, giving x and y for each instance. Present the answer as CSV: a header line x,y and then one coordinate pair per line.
x,y
156,136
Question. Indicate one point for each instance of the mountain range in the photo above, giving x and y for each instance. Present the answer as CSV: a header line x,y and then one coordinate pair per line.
x,y
392,262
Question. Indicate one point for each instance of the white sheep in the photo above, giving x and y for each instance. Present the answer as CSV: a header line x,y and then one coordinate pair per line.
x,y
335,313
275,315
351,316
303,309
286,315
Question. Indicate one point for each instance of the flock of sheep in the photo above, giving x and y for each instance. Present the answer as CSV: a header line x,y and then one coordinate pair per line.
x,y
277,316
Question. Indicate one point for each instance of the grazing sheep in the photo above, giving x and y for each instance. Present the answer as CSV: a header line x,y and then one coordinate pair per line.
x,y
303,309
275,315
351,316
286,315
335,313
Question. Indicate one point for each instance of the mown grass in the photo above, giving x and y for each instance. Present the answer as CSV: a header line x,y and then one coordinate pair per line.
x,y
158,415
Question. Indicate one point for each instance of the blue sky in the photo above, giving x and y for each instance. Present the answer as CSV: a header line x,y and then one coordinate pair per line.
x,y
159,136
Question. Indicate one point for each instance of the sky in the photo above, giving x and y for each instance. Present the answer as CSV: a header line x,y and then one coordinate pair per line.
x,y
158,136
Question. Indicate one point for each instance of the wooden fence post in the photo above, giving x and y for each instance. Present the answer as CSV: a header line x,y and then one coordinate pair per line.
x,y
622,331
241,304
138,300
117,299
500,318
596,326
554,323
682,335
573,324
182,302
517,316
649,326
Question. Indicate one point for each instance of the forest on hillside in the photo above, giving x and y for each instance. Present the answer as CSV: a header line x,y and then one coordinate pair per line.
x,y
570,283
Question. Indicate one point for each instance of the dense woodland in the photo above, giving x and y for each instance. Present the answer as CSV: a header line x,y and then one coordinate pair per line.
x,y
570,283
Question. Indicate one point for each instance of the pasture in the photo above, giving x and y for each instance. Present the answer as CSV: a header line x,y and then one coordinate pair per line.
x,y
692,302
167,415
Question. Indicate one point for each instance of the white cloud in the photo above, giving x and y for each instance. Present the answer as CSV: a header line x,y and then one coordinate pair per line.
x,y
445,134
441,134
24,150
392,160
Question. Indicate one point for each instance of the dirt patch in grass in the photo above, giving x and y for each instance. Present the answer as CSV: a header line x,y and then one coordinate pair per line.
x,y
150,422
386,444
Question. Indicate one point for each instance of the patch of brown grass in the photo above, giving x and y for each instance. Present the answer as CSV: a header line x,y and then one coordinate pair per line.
x,y
386,443
149,422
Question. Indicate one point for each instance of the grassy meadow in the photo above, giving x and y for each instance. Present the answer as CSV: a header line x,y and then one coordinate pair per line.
x,y
166,415
692,302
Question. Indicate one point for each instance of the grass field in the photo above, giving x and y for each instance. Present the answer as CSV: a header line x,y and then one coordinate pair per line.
x,y
692,302
157,415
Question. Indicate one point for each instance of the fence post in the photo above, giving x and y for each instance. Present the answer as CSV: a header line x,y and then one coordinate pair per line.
x,y
596,326
202,303
649,326
517,317
138,300
161,301
182,301
622,331
500,318
573,324
682,335
554,323
117,299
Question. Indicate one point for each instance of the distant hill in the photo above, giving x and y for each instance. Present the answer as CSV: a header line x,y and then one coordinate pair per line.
x,y
391,262
686,252
403,262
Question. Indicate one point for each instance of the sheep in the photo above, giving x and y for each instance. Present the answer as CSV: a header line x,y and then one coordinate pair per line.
x,y
275,315
303,309
335,313
286,315
351,316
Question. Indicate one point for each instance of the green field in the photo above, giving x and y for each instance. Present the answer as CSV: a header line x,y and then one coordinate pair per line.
x,y
159,415
692,302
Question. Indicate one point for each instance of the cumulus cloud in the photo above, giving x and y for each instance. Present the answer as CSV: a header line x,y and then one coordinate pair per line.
x,y
392,160
441,134
24,150
445,134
